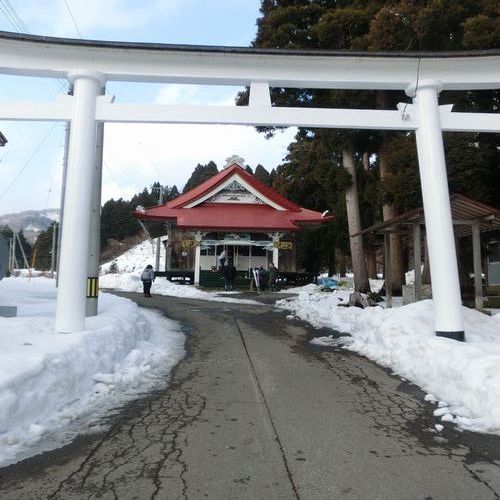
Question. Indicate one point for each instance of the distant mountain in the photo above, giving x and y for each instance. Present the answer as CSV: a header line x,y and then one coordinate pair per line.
x,y
30,222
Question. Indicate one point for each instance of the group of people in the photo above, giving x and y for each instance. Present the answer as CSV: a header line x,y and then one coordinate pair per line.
x,y
228,270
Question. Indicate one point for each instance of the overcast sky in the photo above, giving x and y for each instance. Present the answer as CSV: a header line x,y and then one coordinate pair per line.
x,y
135,155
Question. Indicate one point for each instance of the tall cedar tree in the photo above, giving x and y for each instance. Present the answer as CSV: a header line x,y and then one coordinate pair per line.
x,y
201,174
43,248
262,174
390,25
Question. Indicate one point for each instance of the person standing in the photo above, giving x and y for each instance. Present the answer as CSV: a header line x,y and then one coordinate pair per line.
x,y
222,260
273,276
147,278
229,273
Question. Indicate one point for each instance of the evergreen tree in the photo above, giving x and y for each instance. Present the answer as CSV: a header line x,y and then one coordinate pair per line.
x,y
262,174
201,174
388,25
43,248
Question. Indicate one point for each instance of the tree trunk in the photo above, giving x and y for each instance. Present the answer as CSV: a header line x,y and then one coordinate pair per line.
x,y
341,264
371,262
426,272
389,211
361,283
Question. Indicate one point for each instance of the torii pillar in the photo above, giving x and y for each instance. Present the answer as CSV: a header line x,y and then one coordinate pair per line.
x,y
448,319
71,296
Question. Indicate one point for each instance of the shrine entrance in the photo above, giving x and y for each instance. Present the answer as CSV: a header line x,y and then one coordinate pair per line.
x,y
88,65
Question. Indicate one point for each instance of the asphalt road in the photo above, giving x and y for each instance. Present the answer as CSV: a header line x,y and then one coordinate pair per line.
x,y
255,412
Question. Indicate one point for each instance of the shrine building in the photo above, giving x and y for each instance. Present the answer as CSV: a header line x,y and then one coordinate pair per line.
x,y
236,212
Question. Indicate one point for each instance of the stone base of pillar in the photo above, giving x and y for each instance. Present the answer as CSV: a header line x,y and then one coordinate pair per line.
x,y
460,336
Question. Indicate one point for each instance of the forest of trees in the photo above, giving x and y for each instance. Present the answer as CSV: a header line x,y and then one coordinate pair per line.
x,y
325,168
117,216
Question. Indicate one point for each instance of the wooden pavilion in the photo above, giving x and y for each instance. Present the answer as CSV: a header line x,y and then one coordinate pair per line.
x,y
236,212
470,218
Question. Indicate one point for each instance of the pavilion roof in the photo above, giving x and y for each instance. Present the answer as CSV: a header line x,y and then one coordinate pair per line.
x,y
464,212
196,210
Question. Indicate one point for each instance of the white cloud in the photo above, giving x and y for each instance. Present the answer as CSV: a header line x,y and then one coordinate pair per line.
x,y
169,153
136,155
94,15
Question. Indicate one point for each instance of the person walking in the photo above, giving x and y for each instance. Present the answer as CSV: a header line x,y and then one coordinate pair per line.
x,y
273,276
147,278
229,273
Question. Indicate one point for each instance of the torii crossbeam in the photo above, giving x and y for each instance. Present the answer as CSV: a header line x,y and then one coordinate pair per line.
x,y
90,64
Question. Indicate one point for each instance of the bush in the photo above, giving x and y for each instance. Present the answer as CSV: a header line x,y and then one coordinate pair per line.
x,y
113,268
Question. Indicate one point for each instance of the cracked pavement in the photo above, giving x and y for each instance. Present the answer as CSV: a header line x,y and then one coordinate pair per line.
x,y
256,412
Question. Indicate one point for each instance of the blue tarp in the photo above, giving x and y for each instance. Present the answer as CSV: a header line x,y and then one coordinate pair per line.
x,y
327,282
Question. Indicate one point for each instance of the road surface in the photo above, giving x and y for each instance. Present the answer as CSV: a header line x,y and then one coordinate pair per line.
x,y
256,412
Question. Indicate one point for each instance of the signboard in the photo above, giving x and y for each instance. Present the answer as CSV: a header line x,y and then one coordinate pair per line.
x,y
264,244
4,256
237,236
283,245
188,243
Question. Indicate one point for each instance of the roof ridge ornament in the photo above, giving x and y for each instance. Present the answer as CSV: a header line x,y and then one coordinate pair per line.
x,y
231,160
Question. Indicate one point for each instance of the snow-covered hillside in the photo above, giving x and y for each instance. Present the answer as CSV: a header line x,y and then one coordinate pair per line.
x,y
30,222
137,258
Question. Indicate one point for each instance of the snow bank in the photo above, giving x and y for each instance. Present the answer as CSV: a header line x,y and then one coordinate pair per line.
x,y
131,282
55,386
464,376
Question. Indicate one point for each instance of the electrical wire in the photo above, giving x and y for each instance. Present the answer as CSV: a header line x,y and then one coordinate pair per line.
x,y
28,162
11,16
19,26
73,19
161,177
61,146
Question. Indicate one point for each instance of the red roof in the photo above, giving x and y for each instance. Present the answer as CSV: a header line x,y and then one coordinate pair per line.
x,y
233,216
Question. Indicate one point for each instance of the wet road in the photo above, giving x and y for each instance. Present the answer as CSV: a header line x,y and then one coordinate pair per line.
x,y
255,412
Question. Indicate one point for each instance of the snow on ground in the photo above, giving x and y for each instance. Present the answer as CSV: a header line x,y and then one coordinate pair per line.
x,y
55,386
137,258
462,377
128,278
131,282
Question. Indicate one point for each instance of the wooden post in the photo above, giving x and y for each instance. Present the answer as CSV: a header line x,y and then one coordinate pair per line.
x,y
417,262
476,252
387,269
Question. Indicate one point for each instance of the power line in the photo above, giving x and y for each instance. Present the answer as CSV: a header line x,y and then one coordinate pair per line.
x,y
146,153
28,162
73,19
12,16
18,24
52,181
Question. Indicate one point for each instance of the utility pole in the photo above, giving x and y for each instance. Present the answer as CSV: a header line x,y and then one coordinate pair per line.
x,y
22,251
158,240
14,260
11,263
63,188
91,307
53,253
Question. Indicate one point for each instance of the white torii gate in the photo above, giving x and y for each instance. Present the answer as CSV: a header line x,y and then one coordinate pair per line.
x,y
90,64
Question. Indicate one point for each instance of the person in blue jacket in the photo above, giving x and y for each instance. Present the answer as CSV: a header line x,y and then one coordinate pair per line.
x,y
147,278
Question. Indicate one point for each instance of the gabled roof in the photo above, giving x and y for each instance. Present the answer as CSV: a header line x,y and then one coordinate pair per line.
x,y
195,210
211,185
